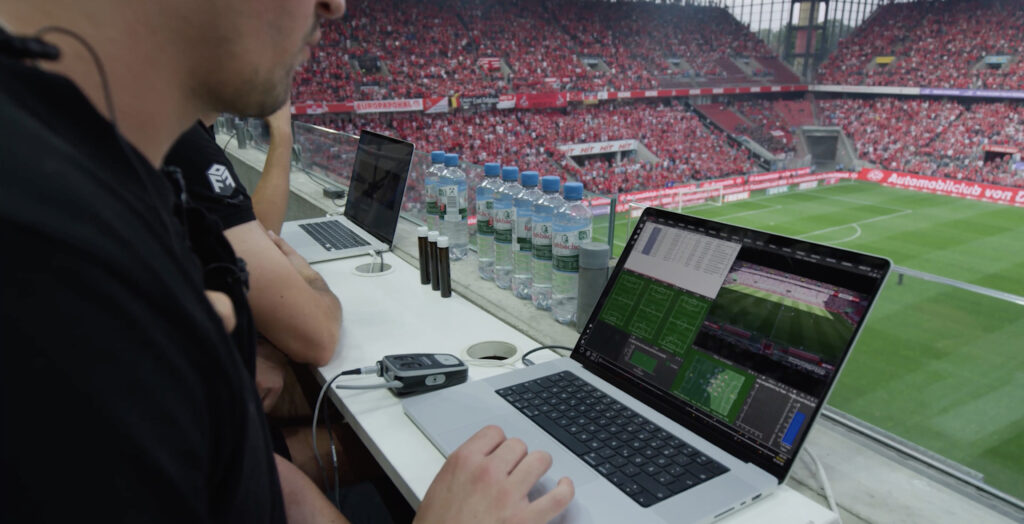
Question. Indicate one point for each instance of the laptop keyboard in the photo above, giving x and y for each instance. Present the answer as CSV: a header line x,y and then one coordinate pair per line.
x,y
332,235
634,454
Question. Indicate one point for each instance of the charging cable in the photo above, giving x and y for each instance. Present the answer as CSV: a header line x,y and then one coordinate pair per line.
x,y
366,370
825,485
528,362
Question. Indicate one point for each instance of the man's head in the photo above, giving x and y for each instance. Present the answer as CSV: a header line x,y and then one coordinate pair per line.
x,y
253,49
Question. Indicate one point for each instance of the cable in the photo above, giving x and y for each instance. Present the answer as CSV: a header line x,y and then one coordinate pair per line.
x,y
366,370
528,362
824,483
230,138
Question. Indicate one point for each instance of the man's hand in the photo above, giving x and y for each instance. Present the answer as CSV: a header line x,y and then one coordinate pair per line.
x,y
270,371
487,480
279,123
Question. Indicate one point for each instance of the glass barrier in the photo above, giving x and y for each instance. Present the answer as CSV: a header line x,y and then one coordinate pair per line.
x,y
937,366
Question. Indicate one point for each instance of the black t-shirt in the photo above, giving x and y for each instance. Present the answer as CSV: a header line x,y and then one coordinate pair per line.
x,y
210,179
122,396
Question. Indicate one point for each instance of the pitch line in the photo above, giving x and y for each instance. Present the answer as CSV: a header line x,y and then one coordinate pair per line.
x,y
855,224
751,212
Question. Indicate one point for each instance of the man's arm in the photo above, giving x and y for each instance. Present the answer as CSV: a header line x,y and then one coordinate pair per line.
x,y
270,198
293,307
303,500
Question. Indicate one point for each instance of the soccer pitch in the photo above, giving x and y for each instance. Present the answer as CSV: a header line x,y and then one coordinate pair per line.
x,y
939,366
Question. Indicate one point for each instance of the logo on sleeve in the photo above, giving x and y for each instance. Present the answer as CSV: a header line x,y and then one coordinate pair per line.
x,y
220,180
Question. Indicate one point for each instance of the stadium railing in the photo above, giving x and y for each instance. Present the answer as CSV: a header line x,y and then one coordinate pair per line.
x,y
933,383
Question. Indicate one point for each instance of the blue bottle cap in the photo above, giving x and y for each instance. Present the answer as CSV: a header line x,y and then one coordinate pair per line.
x,y
451,160
510,173
529,178
550,184
573,191
437,157
492,169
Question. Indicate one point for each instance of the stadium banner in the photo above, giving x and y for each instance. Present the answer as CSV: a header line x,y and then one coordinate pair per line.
x,y
1009,150
945,186
471,102
723,182
541,100
692,193
389,106
997,59
435,105
595,148
761,177
869,90
976,93
506,102
318,108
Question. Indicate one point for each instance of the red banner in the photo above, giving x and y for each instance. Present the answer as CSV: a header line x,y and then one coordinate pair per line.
x,y
1010,150
945,186
541,100
389,106
761,177
317,108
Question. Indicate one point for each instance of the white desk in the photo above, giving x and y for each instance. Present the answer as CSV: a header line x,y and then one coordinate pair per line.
x,y
395,314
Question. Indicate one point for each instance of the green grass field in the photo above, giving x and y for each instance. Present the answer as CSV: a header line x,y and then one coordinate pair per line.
x,y
939,366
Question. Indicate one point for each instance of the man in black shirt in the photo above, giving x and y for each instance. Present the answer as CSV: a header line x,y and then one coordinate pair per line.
x,y
108,334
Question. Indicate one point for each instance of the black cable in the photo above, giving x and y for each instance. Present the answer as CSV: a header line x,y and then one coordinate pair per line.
x,y
230,138
528,362
108,99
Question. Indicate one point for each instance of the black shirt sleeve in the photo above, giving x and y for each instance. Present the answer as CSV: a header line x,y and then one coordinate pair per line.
x,y
210,179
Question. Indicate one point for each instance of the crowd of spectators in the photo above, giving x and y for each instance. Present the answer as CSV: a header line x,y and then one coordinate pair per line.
x,y
417,48
933,137
934,44
684,148
767,128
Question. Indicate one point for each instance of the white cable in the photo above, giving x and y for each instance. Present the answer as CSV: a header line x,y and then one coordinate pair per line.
x,y
825,484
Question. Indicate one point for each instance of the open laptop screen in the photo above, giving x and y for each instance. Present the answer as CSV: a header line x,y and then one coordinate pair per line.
x,y
736,334
379,175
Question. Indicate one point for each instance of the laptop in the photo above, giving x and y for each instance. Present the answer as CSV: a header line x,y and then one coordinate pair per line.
x,y
379,174
695,381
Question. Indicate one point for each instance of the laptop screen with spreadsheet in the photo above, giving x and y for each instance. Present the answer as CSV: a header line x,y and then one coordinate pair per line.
x,y
735,333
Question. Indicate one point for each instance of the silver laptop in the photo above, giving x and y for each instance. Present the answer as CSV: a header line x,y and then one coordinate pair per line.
x,y
695,381
379,174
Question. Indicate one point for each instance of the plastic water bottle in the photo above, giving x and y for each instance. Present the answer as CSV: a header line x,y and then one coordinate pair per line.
x,y
522,274
543,226
452,201
573,224
430,180
504,225
484,222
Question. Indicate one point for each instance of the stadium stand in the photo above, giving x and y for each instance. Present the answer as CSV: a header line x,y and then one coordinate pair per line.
x,y
406,48
933,44
932,137
686,149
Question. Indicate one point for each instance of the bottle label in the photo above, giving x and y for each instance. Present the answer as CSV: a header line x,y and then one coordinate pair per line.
x,y
541,241
524,234
504,221
566,249
452,203
430,194
484,222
